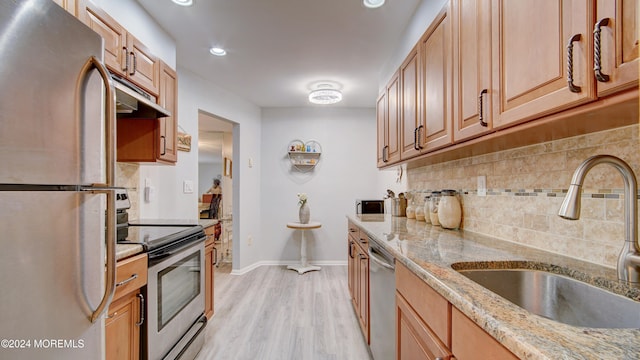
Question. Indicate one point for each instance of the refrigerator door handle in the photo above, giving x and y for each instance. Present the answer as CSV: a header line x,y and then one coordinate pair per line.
x,y
110,160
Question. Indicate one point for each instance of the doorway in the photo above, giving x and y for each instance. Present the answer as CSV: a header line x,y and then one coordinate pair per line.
x,y
215,164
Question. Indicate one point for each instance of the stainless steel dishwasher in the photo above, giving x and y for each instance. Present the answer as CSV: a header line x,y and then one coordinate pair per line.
x,y
382,289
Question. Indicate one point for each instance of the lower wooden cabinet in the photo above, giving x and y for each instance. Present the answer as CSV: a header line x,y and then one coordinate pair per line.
x,y
429,327
358,269
126,312
210,257
122,328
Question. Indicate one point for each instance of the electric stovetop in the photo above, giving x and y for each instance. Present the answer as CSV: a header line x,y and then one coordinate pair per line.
x,y
157,234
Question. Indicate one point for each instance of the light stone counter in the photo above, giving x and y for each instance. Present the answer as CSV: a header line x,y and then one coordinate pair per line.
x,y
429,251
127,250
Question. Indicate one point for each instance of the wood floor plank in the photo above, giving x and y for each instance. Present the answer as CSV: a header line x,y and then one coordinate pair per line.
x,y
275,313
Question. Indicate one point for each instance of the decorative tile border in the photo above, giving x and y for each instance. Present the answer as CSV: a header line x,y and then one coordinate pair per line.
x,y
588,193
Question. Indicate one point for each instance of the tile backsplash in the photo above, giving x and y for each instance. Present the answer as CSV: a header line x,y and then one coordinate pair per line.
x,y
128,176
525,187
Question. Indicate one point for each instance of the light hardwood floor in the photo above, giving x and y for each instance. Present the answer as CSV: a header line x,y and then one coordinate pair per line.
x,y
274,313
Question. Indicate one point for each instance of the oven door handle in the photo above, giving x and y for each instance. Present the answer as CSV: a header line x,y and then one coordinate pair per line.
x,y
156,256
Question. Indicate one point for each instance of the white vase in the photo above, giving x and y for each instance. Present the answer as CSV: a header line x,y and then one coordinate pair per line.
x,y
304,214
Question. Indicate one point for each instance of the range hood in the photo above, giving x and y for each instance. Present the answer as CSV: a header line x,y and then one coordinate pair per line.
x,y
133,102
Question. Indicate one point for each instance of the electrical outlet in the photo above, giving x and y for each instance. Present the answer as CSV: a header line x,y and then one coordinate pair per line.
x,y
482,185
250,240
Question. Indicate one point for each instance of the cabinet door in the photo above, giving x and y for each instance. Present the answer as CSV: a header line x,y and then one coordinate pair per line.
x,y
168,126
351,266
363,305
114,35
122,328
530,53
381,121
74,7
209,268
435,83
414,339
619,45
468,340
392,119
471,29
144,67
410,122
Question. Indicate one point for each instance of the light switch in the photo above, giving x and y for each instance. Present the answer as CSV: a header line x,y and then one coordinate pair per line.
x,y
187,187
250,162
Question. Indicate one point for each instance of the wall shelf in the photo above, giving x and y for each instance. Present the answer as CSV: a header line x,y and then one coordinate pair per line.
x,y
304,155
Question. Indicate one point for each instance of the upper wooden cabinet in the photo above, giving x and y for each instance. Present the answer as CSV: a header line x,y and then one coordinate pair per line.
x,y
471,28
617,27
123,53
434,77
168,126
533,43
388,123
74,7
410,121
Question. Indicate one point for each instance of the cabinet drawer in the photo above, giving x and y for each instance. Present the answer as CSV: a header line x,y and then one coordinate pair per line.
x,y
469,340
131,274
210,233
432,308
354,230
415,339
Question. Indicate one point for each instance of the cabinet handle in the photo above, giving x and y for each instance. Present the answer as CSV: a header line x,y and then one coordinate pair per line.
x,y
131,278
415,139
164,145
385,152
572,87
419,137
215,256
597,58
141,310
362,257
351,249
480,108
135,63
126,59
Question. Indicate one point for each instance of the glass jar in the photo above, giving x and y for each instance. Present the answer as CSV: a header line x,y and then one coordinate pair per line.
x,y
420,212
449,210
427,201
433,207
411,211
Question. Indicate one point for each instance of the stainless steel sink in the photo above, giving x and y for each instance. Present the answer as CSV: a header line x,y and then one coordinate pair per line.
x,y
559,297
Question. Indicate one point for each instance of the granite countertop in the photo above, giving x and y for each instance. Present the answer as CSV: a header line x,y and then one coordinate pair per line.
x,y
205,223
429,251
126,250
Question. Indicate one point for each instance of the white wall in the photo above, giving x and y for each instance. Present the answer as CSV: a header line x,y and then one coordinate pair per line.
x,y
347,171
194,95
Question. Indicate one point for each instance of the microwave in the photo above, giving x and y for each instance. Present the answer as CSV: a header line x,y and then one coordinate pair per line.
x,y
369,206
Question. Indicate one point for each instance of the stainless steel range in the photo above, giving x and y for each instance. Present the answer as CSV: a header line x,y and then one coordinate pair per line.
x,y
175,288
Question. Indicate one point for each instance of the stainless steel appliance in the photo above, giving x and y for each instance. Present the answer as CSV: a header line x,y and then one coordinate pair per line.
x,y
382,289
57,150
175,285
369,206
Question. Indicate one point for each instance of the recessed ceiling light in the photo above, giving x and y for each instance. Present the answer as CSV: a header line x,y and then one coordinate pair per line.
x,y
372,4
183,2
218,51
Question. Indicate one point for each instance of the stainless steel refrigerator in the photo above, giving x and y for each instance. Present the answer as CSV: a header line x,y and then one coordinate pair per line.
x,y
57,260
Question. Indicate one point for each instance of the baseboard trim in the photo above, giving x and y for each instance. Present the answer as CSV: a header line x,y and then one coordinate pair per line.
x,y
258,264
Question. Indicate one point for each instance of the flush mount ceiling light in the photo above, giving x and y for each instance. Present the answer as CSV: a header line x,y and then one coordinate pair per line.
x,y
218,51
183,2
372,4
325,94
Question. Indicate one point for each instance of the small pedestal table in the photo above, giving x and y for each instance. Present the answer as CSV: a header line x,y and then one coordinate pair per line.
x,y
304,266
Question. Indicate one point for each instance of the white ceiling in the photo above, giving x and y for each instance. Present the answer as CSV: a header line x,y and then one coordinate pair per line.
x,y
277,49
